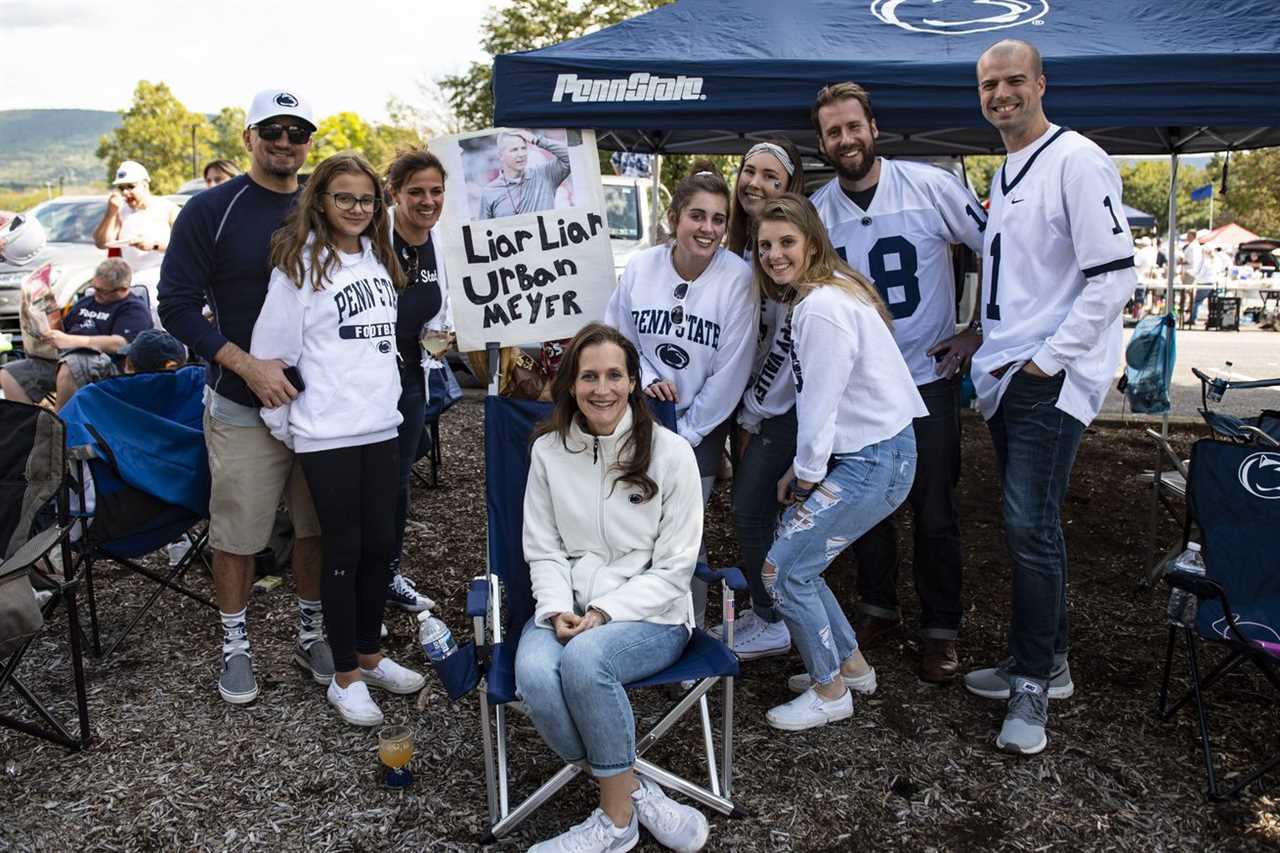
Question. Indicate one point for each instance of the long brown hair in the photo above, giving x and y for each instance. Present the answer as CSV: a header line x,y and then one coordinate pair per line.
x,y
740,221
704,177
289,243
825,269
636,450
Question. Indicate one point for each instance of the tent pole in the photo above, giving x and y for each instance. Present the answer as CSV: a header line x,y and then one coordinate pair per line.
x,y
1171,262
653,207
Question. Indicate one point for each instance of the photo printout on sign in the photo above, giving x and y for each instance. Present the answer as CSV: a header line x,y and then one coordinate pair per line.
x,y
524,235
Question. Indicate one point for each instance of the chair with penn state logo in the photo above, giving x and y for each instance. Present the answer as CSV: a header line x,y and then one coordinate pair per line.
x,y
501,602
1233,499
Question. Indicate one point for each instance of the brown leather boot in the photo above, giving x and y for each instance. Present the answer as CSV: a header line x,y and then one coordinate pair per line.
x,y
939,663
870,630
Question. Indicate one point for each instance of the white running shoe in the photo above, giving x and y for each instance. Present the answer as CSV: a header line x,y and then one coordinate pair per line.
x,y
675,826
354,703
596,834
392,677
864,684
809,710
753,637
177,549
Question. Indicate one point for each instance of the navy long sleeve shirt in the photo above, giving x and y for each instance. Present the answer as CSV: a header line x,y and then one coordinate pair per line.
x,y
219,254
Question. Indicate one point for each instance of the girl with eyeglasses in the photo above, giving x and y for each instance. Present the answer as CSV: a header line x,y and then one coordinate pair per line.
x,y
415,180
769,169
855,456
330,314
688,308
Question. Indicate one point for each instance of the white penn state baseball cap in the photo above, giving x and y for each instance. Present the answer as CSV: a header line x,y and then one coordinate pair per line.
x,y
270,103
130,172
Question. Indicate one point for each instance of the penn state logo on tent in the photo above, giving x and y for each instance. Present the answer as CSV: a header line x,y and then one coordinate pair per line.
x,y
1260,475
957,17
672,356
284,99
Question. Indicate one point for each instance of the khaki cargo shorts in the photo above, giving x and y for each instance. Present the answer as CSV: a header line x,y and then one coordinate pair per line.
x,y
251,471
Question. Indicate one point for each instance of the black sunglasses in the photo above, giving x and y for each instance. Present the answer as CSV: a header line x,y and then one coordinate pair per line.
x,y
677,313
272,132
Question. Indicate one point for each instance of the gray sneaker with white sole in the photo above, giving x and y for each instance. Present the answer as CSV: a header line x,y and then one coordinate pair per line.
x,y
236,684
1024,723
993,682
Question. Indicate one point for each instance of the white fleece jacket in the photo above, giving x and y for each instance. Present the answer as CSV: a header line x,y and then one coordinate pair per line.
x,y
342,340
590,542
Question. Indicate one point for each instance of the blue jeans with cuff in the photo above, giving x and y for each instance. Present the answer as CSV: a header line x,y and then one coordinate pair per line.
x,y
574,691
859,490
1035,444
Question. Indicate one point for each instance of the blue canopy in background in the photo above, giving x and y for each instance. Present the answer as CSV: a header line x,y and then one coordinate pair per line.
x,y
1138,77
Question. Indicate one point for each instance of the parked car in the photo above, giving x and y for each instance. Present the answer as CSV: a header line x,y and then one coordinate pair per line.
x,y
628,203
69,222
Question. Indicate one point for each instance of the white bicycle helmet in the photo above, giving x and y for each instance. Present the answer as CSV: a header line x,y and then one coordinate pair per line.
x,y
23,238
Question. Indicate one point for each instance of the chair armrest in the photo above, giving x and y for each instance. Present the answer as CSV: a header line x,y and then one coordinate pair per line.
x,y
478,597
31,551
1198,585
731,575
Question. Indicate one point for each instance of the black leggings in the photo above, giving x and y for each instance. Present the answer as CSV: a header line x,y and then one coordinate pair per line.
x,y
354,491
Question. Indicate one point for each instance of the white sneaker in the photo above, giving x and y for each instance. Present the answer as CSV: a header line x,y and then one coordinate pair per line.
x,y
675,826
864,684
596,834
178,549
354,703
392,677
809,710
753,637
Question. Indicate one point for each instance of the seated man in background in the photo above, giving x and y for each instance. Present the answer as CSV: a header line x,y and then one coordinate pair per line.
x,y
153,350
94,332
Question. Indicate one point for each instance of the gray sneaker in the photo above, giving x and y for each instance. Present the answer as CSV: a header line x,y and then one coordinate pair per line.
x,y
237,684
993,682
596,834
316,659
1023,729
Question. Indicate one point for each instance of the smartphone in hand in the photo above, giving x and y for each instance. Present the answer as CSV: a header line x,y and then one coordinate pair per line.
x,y
295,379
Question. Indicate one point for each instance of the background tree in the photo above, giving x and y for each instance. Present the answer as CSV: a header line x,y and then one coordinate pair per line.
x,y
226,138
156,132
348,131
1253,191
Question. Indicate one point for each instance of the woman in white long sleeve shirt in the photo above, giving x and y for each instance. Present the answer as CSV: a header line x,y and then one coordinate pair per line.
x,y
689,310
330,312
855,449
611,550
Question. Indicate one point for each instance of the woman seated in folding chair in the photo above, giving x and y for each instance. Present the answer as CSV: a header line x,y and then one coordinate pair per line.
x,y
611,552
855,448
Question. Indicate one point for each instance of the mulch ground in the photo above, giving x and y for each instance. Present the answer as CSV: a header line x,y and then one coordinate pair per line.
x,y
174,767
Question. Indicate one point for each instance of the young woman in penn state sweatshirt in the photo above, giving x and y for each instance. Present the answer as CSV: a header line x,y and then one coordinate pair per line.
x,y
688,308
855,454
331,313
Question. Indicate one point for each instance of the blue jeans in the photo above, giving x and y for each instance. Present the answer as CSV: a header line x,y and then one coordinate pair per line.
x,y
859,490
1200,295
574,692
1035,444
413,405
755,501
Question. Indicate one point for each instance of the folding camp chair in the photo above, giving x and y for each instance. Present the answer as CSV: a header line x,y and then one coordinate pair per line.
x,y
1233,497
502,602
139,442
33,490
442,392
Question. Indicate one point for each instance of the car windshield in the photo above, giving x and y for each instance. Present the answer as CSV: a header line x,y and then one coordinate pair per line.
x,y
623,209
70,221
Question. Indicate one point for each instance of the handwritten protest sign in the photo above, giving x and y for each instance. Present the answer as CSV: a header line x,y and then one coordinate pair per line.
x,y
524,236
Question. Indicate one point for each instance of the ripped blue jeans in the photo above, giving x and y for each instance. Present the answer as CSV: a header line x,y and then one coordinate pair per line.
x,y
860,490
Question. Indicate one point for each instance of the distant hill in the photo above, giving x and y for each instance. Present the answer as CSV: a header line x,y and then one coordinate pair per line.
x,y
44,145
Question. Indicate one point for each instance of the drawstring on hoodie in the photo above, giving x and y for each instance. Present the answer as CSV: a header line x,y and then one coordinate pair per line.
x,y
595,451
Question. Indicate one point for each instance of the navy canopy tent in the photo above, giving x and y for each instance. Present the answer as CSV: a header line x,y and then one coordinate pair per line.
x,y
1139,77
1138,219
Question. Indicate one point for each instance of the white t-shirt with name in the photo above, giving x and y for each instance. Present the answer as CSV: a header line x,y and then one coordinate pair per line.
x,y
902,242
1057,269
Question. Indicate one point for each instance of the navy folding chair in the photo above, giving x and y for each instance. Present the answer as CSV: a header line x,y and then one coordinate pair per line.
x,y
1233,497
139,442
501,603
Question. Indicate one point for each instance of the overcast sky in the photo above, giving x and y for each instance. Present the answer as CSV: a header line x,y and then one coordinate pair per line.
x,y
90,55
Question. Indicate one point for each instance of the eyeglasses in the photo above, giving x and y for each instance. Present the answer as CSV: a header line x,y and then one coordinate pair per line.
x,y
677,313
272,132
347,201
124,188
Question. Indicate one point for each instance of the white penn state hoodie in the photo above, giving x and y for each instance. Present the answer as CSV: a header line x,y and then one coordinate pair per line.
x,y
342,340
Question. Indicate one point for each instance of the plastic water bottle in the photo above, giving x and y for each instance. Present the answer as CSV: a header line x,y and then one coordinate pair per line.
x,y
1182,604
1218,386
436,638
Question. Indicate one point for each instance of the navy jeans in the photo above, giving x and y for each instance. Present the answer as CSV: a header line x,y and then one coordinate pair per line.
x,y
1035,444
756,509
936,557
413,407
1201,294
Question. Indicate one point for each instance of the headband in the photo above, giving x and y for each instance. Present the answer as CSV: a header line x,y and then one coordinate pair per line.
x,y
776,150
